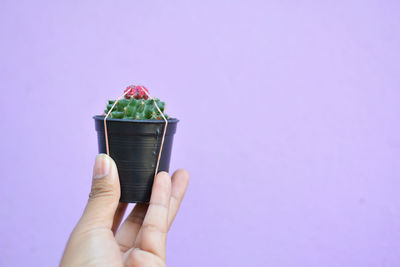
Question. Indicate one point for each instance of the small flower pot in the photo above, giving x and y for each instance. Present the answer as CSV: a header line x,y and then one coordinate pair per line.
x,y
134,145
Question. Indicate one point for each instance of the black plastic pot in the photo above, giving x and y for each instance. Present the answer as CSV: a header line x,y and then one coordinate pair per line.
x,y
134,145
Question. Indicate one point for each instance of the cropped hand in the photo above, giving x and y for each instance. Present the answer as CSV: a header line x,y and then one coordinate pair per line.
x,y
141,239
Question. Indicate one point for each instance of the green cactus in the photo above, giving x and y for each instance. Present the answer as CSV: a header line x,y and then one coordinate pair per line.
x,y
136,109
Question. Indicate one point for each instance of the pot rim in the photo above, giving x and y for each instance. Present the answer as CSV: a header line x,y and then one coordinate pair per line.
x,y
101,117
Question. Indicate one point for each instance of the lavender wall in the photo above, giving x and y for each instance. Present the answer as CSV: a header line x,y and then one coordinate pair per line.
x,y
289,124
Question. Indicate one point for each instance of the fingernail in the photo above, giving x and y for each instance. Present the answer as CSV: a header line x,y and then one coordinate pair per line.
x,y
101,166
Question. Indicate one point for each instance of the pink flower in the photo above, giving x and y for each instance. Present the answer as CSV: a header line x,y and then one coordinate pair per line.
x,y
136,91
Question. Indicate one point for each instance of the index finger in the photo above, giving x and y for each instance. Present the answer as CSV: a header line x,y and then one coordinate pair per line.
x,y
152,236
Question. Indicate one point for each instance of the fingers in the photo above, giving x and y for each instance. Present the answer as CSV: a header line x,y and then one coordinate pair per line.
x,y
153,234
119,214
180,181
128,231
104,196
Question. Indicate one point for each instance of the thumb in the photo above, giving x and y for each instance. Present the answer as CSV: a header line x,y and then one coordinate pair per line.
x,y
104,195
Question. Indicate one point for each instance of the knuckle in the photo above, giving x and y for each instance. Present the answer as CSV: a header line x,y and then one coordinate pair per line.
x,y
102,189
143,257
151,227
162,206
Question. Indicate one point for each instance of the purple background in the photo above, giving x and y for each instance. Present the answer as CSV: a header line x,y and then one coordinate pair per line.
x,y
289,124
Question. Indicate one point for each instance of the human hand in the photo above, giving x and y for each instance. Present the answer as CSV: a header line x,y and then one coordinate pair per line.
x,y
141,239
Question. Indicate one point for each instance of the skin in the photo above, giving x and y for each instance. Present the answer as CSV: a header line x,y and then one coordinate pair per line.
x,y
97,239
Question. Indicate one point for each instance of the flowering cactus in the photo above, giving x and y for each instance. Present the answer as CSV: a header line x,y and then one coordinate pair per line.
x,y
136,91
136,106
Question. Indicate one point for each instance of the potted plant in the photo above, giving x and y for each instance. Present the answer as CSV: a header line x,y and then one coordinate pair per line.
x,y
138,135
